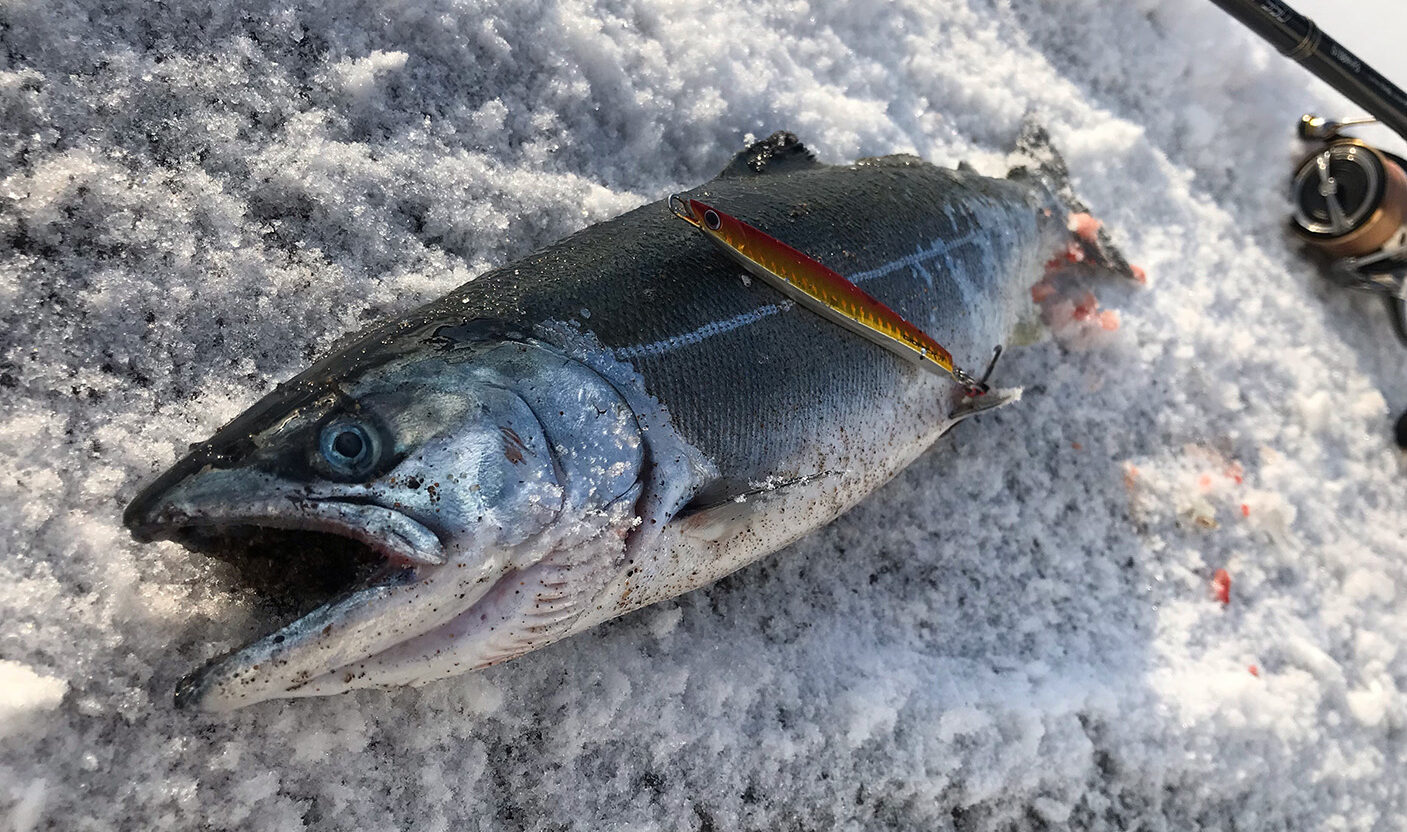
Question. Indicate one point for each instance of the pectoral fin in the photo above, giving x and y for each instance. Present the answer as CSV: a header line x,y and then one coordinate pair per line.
x,y
725,517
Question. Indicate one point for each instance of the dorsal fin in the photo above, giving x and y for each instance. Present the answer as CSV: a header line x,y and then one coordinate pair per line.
x,y
780,152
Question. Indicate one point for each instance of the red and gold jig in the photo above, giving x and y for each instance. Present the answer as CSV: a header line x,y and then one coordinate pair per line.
x,y
829,294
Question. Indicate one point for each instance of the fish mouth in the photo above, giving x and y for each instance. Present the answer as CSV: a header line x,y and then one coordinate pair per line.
x,y
288,572
298,577
394,535
317,563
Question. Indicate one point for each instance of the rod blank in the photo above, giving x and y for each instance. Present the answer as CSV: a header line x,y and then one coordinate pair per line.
x,y
1297,37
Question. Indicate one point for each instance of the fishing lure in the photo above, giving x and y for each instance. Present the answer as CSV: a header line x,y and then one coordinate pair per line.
x,y
822,290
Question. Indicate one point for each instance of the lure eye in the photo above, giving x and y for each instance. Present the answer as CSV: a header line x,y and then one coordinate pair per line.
x,y
711,219
348,447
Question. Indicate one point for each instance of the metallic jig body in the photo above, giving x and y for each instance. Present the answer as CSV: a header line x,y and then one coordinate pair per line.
x,y
820,289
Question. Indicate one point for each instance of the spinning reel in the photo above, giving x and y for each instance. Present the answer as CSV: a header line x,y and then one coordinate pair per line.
x,y
1350,197
1350,202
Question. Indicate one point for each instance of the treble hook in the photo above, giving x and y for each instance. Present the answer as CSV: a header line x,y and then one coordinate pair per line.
x,y
978,386
992,364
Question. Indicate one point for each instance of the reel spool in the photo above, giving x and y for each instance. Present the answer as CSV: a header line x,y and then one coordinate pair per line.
x,y
1350,198
1350,206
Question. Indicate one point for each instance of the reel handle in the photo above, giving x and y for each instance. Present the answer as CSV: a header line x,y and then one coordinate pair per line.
x,y
1314,128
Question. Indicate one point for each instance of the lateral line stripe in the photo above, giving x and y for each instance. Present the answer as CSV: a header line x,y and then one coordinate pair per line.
x,y
938,249
706,331
674,342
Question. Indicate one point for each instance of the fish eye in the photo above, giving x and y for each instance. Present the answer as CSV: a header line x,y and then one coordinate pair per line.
x,y
348,447
711,219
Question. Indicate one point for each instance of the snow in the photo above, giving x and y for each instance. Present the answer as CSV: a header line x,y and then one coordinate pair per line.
x,y
24,692
1017,632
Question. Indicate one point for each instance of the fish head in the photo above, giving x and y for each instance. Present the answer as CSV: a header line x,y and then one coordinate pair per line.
x,y
419,459
455,468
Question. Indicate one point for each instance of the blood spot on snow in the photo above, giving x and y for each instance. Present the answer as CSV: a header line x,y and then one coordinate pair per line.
x,y
1245,510
1070,309
1085,306
1221,586
1253,670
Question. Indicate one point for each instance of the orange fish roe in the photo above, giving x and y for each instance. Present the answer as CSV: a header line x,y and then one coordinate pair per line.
x,y
1084,226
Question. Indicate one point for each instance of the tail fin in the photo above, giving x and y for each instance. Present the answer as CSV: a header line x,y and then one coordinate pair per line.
x,y
1045,165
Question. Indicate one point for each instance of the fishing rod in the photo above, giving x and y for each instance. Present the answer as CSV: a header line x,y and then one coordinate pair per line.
x,y
1350,198
1297,37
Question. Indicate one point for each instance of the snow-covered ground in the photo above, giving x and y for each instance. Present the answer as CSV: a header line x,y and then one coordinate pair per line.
x,y
1019,632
